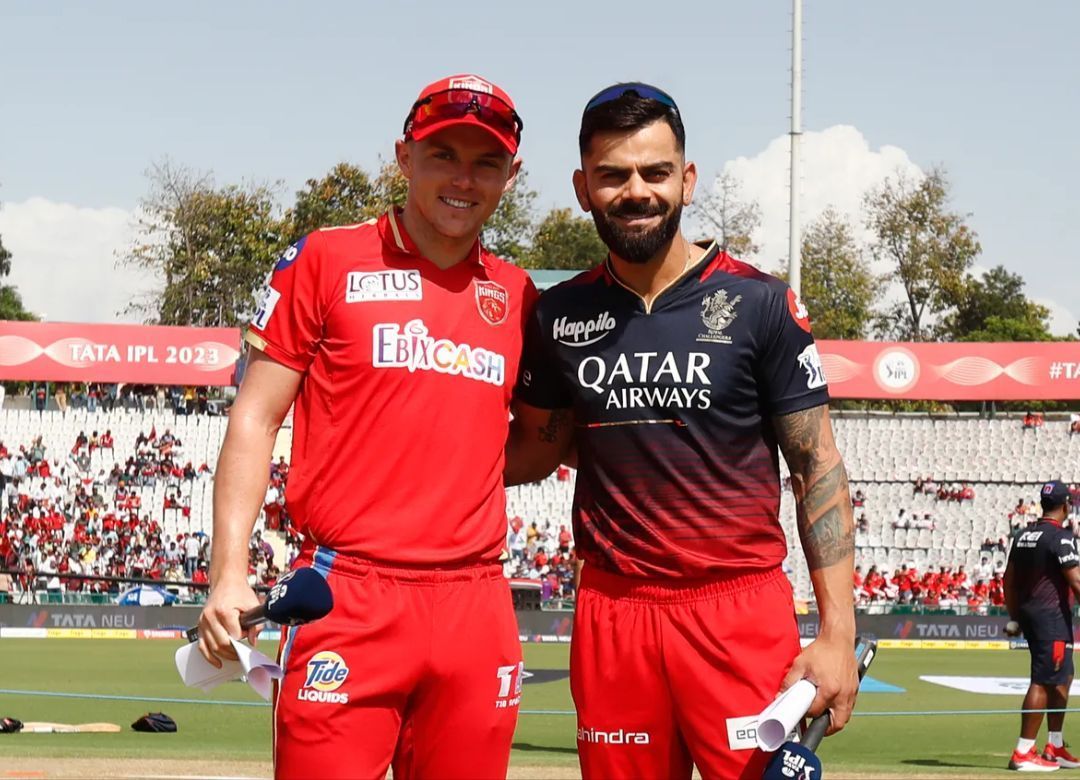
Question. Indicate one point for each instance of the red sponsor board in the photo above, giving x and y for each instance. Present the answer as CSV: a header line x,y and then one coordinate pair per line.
x,y
140,354
952,372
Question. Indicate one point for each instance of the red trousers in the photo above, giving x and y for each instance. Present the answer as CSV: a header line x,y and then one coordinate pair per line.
x,y
419,668
667,676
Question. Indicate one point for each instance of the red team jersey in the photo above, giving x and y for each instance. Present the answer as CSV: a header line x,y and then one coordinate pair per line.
x,y
402,414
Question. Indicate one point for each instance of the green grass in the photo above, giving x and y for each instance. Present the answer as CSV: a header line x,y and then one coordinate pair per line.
x,y
951,744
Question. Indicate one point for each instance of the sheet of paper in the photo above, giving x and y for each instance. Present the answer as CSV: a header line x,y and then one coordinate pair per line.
x,y
780,718
259,670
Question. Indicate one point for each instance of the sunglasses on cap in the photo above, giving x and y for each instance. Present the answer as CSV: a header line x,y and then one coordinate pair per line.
x,y
457,104
634,88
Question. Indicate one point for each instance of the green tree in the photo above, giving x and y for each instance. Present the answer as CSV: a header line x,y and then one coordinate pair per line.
x,y
838,288
391,188
564,242
5,259
728,217
342,197
927,248
345,196
1010,329
210,246
509,228
998,296
11,305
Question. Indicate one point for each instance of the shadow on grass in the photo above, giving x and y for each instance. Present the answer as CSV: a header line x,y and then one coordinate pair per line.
x,y
937,763
526,747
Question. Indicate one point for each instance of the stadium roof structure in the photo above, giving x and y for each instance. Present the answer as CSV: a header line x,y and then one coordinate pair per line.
x,y
545,278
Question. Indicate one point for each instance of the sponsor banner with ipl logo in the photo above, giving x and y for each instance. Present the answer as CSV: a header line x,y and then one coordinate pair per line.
x,y
952,372
140,354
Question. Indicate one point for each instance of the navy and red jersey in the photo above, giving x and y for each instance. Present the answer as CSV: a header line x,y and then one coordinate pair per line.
x,y
678,464
1040,555
401,419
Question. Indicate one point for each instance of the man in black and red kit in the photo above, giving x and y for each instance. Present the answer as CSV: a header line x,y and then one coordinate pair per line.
x,y
1042,570
678,371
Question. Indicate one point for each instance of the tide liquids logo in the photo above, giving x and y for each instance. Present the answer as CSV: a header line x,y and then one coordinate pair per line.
x,y
326,672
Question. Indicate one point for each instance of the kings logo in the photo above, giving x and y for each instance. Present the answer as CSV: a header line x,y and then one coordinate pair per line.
x,y
493,302
717,313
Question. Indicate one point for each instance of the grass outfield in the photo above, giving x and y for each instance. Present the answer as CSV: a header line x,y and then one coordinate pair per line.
x,y
972,745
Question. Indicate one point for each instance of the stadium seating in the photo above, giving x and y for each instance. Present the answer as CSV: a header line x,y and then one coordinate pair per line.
x,y
884,455
201,436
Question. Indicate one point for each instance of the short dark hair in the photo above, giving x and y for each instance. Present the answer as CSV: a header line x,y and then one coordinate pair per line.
x,y
628,111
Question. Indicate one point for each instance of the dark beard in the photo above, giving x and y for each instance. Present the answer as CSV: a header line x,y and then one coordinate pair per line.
x,y
637,247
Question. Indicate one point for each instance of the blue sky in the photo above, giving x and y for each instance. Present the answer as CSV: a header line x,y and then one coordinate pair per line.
x,y
94,93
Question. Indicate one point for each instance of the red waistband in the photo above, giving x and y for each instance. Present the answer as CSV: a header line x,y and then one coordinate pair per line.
x,y
326,560
673,591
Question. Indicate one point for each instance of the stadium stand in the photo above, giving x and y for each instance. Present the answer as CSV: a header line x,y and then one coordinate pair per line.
x,y
117,493
998,460
963,485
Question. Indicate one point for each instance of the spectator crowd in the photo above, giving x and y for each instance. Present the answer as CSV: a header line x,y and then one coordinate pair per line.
x,y
541,553
941,589
181,400
59,517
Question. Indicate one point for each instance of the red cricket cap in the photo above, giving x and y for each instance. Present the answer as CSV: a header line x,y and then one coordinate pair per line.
x,y
465,99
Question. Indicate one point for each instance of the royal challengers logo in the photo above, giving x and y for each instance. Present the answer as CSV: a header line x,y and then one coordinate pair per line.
x,y
493,302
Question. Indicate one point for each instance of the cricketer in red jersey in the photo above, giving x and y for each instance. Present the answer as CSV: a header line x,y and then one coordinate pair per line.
x,y
399,341
677,371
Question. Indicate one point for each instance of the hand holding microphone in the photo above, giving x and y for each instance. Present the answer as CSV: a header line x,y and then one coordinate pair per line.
x,y
796,760
300,596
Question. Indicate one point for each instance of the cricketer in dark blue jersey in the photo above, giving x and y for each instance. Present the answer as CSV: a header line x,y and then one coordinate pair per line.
x,y
1043,571
679,372
673,403
1041,556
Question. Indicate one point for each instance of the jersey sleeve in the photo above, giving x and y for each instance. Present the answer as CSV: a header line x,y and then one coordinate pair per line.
x,y
288,322
789,368
540,382
1066,551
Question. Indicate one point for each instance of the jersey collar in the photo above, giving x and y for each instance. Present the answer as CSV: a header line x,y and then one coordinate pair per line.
x,y
392,230
1052,521
711,252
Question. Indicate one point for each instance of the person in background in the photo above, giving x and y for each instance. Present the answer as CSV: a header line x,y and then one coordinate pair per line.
x,y
1043,570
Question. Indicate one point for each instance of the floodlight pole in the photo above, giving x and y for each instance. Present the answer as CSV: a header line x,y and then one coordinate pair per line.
x,y
794,253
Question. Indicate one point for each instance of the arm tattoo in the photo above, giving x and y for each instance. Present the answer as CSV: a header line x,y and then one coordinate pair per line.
x,y
819,481
557,422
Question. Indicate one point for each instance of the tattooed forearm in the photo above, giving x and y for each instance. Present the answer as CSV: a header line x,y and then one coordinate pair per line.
x,y
828,539
822,492
556,423
819,481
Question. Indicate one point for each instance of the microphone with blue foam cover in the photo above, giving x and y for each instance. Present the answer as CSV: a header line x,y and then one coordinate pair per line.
x,y
298,597
797,760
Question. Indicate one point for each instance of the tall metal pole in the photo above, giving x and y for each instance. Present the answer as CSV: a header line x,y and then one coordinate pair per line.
x,y
794,239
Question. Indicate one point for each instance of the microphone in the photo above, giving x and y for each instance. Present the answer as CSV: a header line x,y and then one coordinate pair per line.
x,y
797,760
793,761
298,597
